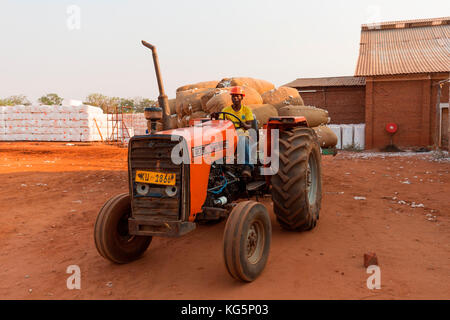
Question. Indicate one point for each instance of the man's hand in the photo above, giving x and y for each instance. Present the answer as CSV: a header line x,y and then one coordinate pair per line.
x,y
215,115
247,125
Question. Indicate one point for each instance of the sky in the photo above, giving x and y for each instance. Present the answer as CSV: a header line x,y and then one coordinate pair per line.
x,y
77,47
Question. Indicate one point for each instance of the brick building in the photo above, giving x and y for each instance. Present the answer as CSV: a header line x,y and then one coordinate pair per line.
x,y
400,67
403,63
343,97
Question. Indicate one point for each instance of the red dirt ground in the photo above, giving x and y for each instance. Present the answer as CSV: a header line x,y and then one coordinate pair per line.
x,y
51,193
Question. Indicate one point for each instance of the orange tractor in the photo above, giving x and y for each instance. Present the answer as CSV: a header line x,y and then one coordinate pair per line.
x,y
181,177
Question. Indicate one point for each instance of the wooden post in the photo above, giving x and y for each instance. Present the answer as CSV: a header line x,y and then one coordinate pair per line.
x,y
98,129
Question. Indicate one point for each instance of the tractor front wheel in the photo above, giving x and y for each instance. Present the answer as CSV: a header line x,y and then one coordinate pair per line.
x,y
112,238
246,240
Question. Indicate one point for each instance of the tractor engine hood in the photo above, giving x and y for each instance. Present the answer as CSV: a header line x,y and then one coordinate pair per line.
x,y
207,141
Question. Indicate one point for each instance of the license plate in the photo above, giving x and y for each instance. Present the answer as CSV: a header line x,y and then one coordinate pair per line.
x,y
167,179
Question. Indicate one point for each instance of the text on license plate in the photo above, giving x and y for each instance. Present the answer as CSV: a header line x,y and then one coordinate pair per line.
x,y
167,179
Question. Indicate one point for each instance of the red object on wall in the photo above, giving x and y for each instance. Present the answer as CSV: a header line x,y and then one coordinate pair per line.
x,y
391,127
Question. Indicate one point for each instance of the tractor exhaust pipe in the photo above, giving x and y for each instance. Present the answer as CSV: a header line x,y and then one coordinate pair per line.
x,y
162,99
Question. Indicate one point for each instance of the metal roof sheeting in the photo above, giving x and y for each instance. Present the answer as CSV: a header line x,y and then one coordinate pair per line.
x,y
402,47
327,82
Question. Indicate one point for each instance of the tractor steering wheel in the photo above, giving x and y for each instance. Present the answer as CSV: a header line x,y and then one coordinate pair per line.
x,y
215,115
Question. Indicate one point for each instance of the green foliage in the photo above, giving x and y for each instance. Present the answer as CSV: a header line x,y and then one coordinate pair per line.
x,y
102,101
127,105
51,99
142,103
15,100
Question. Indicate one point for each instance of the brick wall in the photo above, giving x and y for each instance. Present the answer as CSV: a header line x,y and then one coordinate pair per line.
x,y
409,101
344,104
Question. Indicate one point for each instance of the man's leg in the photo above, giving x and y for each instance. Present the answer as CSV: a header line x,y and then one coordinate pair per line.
x,y
243,154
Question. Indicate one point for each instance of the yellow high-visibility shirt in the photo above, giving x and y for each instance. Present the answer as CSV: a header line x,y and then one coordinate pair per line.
x,y
245,114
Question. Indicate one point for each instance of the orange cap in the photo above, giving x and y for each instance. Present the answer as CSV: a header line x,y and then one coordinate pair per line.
x,y
237,90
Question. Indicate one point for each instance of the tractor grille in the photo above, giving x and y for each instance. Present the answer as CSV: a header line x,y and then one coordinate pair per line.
x,y
154,154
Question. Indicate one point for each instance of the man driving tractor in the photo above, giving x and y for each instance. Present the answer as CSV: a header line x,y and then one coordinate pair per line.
x,y
243,113
167,199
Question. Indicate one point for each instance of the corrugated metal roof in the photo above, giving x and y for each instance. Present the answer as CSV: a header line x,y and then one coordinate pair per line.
x,y
402,47
327,82
406,23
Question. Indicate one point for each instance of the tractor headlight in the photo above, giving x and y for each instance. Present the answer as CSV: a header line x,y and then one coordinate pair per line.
x,y
142,189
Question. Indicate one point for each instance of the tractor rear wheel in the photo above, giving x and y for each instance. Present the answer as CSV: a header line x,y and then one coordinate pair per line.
x,y
246,240
297,186
112,238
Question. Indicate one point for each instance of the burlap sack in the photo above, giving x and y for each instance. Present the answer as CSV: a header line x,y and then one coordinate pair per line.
x,y
173,106
181,95
189,101
313,115
199,85
263,112
282,97
173,120
185,121
223,99
327,138
179,121
213,92
260,86
198,115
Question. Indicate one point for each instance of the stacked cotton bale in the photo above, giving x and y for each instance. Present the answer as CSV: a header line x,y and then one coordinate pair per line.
x,y
314,116
359,136
203,98
282,97
222,99
338,132
53,123
347,136
189,102
135,123
199,85
2,123
327,138
260,86
317,119
192,117
93,124
263,112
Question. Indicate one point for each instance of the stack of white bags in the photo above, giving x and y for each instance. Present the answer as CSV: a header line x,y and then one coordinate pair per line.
x,y
52,123
136,121
349,135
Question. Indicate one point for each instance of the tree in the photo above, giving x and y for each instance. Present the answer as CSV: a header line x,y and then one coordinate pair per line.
x,y
142,103
130,103
51,99
108,104
15,100
99,100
